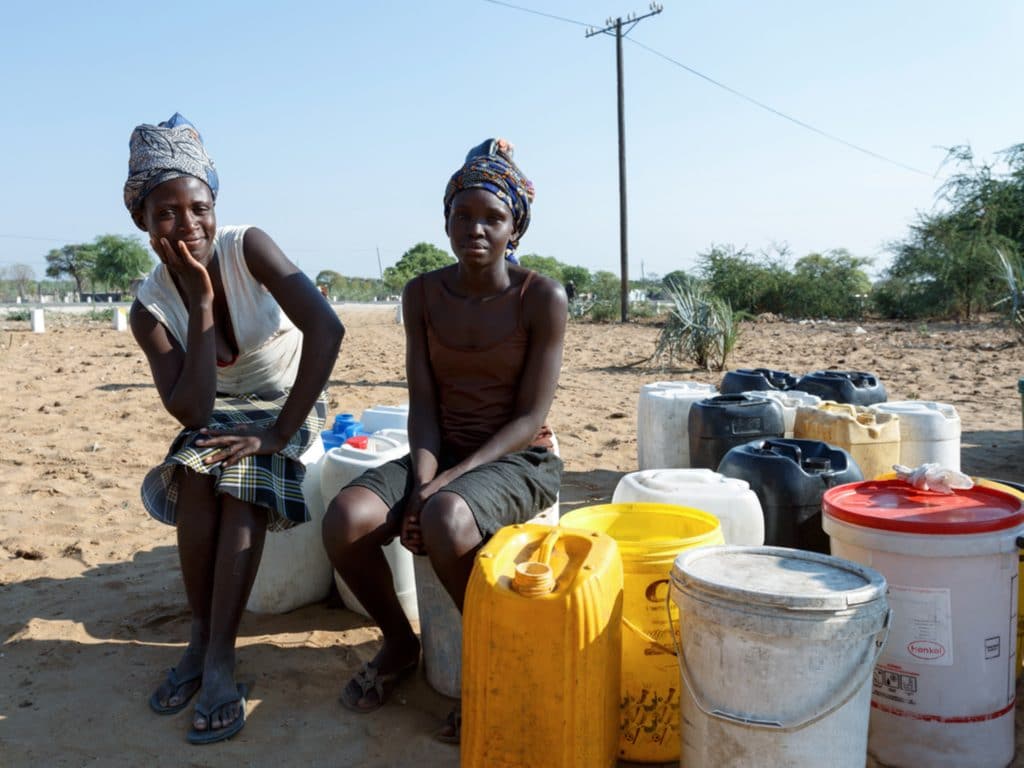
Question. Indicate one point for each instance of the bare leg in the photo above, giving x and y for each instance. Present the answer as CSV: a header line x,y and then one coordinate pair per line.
x,y
452,539
355,528
242,531
198,520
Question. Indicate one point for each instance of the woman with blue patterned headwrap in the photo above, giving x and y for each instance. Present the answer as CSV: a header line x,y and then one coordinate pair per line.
x,y
227,323
484,344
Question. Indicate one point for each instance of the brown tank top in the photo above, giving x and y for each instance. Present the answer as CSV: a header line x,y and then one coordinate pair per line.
x,y
477,387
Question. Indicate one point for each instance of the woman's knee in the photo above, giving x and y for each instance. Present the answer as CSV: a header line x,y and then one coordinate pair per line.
x,y
446,519
351,517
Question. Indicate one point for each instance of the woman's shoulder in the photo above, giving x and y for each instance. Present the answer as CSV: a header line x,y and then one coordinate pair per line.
x,y
537,285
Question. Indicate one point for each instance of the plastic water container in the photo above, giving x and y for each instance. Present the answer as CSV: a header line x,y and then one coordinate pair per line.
x,y
789,478
746,379
120,321
944,687
650,536
929,432
776,649
38,321
790,400
344,427
720,423
854,387
727,498
542,648
662,421
872,438
345,463
294,569
441,622
380,417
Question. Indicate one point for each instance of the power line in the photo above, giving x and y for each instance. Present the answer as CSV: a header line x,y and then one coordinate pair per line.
x,y
781,114
734,92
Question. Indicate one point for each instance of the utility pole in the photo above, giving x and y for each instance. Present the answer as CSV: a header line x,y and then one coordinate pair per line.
x,y
380,269
615,26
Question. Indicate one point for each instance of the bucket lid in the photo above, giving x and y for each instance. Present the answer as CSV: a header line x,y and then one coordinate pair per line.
x,y
777,576
893,505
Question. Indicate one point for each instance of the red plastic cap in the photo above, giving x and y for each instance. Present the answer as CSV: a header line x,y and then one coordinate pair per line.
x,y
358,441
893,505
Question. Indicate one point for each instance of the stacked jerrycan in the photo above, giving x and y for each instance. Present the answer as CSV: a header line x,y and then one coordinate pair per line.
x,y
662,422
929,432
790,400
727,498
723,422
854,387
294,569
756,379
541,658
789,478
871,437
342,465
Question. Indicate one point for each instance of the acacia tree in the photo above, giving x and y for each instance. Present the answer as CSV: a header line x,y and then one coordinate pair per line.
x,y
75,261
22,275
120,260
422,257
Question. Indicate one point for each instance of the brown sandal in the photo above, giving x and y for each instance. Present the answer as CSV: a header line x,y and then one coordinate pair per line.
x,y
370,678
451,731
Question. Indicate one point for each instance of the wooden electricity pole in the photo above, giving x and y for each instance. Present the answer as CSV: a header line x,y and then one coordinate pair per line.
x,y
620,28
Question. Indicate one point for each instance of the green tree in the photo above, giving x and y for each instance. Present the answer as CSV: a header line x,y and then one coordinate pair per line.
x,y
422,257
677,278
120,260
746,282
75,261
545,265
579,277
606,286
23,277
829,285
331,279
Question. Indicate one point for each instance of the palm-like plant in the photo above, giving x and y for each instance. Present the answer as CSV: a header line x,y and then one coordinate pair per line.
x,y
701,327
1013,274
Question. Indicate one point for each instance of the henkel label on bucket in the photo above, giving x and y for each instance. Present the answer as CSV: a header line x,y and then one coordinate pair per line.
x,y
924,632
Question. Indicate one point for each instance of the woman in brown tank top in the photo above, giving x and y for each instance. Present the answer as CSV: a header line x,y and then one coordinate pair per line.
x,y
483,352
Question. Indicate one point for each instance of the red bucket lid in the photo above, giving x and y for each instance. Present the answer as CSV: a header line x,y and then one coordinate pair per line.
x,y
893,505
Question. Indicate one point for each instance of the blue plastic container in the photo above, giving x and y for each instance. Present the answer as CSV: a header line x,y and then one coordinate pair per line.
x,y
345,426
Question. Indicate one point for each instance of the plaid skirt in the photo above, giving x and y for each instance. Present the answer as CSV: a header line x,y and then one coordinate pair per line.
x,y
273,481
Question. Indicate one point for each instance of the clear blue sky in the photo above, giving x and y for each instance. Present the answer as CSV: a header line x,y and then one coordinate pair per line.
x,y
335,126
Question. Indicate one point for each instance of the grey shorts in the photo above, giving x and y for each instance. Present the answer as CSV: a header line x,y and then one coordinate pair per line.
x,y
511,490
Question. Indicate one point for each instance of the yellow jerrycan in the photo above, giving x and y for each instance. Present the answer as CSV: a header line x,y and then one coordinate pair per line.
x,y
872,438
541,650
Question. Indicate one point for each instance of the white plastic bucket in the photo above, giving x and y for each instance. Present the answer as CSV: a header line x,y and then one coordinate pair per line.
x,y
929,432
380,417
662,419
729,499
790,400
294,570
441,622
776,648
944,688
344,464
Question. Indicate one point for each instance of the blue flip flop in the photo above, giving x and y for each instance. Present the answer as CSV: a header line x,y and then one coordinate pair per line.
x,y
178,683
211,735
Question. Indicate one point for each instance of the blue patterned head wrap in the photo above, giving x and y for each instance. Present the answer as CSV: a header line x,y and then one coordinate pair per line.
x,y
159,153
489,166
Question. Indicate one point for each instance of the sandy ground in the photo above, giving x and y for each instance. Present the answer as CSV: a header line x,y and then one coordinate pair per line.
x,y
91,604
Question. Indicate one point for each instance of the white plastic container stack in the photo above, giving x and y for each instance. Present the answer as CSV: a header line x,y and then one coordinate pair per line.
x,y
345,463
662,417
294,570
728,498
929,432
790,400
380,417
441,622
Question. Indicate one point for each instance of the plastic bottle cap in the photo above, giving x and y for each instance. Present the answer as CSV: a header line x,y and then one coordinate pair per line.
x,y
358,441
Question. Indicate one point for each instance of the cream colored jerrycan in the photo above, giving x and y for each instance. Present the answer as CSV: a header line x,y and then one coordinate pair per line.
x,y
872,438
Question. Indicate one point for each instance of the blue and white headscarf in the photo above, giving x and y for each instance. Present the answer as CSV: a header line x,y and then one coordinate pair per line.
x,y
489,166
159,153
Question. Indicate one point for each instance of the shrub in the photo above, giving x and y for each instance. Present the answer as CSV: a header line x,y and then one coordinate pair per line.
x,y
700,327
